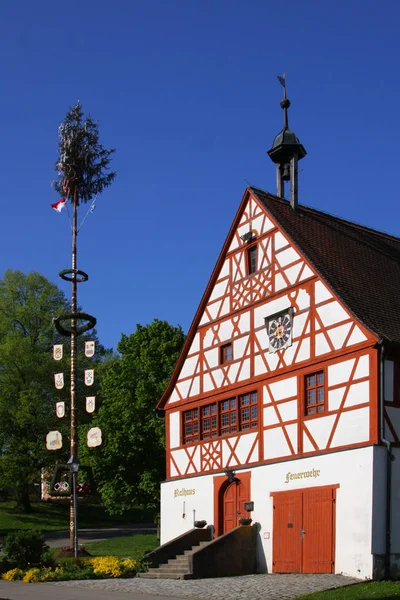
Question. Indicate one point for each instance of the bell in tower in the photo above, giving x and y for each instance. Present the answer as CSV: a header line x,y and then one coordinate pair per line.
x,y
286,151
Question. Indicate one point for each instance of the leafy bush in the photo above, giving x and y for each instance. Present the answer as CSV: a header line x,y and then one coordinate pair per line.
x,y
25,547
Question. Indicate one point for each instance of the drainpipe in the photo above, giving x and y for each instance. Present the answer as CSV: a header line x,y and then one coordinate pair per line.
x,y
388,445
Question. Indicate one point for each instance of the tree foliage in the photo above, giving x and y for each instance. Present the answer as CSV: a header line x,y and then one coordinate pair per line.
x,y
130,464
83,162
27,393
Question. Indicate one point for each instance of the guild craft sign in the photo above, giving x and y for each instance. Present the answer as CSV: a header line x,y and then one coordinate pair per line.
x,y
89,376
57,351
54,440
302,475
89,349
60,409
94,437
59,381
90,403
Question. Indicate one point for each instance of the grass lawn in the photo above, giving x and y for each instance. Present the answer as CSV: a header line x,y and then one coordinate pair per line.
x,y
372,590
52,517
133,546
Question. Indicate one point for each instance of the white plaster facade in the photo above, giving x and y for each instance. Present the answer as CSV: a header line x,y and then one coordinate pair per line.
x,y
359,524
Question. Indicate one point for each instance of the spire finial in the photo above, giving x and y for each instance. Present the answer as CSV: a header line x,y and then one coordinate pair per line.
x,y
285,102
286,151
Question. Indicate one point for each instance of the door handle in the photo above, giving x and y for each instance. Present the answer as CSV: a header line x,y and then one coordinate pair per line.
x,y
302,532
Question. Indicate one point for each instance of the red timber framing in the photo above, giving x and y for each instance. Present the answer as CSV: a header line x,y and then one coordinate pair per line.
x,y
301,434
232,311
304,526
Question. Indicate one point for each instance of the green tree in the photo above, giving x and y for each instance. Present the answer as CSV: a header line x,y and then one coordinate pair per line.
x,y
130,464
27,393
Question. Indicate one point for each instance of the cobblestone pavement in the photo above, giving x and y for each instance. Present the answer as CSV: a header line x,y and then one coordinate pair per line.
x,y
255,587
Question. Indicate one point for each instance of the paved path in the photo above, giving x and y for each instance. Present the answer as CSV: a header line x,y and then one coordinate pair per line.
x,y
253,587
15,590
55,539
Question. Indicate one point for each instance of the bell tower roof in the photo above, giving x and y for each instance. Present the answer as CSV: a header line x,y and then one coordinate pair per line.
x,y
286,151
286,143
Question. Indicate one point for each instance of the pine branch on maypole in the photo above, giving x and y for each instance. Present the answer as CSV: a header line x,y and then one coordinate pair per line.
x,y
83,173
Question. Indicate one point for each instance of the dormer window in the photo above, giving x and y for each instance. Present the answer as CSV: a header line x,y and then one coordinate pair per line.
x,y
251,260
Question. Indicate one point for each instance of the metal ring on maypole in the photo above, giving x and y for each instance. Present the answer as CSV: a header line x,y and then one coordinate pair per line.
x,y
91,322
76,275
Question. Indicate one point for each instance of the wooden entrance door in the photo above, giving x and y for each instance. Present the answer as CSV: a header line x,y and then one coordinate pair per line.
x,y
318,525
303,536
235,495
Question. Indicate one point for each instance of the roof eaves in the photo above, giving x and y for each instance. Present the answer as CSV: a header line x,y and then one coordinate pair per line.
x,y
196,320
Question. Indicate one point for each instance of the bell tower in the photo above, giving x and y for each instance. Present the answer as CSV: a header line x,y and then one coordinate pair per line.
x,y
286,151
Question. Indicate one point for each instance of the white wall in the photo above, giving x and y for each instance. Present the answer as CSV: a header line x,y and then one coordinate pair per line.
x,y
174,506
379,502
351,469
395,549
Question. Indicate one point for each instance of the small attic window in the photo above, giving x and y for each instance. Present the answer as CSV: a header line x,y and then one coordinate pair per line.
x,y
251,259
226,353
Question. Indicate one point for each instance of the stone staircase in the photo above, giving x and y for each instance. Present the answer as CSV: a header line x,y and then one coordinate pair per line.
x,y
174,568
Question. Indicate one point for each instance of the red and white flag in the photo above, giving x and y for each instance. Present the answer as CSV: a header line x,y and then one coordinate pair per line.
x,y
58,206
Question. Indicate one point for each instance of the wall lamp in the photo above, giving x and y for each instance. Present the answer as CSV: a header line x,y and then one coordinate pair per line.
x,y
230,475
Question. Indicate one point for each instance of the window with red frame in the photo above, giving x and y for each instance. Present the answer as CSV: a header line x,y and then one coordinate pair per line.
x,y
228,415
251,260
191,426
226,353
223,418
315,395
209,421
248,411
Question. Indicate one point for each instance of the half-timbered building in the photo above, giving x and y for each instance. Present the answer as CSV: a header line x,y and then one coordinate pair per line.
x,y
284,405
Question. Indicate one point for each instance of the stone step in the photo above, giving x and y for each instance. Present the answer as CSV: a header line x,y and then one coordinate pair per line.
x,y
181,558
182,563
194,548
167,575
169,569
174,568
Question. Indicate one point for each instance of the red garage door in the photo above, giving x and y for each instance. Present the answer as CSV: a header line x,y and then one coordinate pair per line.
x,y
303,536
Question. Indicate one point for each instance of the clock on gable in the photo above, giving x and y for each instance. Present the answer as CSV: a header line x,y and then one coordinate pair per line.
x,y
279,330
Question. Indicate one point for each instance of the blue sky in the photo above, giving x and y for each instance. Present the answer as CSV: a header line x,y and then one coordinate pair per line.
x,y
186,91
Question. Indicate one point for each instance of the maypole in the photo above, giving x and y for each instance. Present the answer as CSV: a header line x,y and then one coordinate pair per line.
x,y
82,175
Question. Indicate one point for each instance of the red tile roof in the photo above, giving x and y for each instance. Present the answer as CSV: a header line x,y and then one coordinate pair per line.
x,y
361,265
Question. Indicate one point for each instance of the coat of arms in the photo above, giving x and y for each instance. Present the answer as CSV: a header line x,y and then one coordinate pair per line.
x,y
57,351
89,376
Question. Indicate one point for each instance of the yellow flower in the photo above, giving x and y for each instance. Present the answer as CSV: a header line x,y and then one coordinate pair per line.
x,y
31,576
106,565
128,563
13,575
